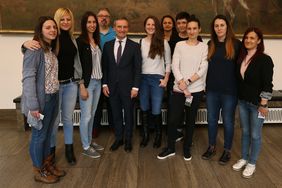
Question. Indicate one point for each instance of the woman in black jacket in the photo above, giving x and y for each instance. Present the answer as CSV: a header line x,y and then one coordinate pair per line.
x,y
90,56
255,72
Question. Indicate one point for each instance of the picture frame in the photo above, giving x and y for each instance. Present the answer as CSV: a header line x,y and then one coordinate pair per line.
x,y
20,16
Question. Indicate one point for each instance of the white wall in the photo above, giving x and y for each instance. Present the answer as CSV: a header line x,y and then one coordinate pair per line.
x,y
11,66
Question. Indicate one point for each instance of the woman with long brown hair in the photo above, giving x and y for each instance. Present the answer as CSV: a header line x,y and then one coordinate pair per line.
x,y
90,56
221,88
156,60
40,97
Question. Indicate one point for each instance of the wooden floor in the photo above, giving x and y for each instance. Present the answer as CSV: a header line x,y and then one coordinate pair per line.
x,y
141,168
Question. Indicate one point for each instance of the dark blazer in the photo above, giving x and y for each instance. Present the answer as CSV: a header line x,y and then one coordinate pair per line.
x,y
257,79
85,55
126,74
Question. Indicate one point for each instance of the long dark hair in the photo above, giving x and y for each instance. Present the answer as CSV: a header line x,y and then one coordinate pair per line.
x,y
38,35
260,47
157,43
229,39
173,32
84,32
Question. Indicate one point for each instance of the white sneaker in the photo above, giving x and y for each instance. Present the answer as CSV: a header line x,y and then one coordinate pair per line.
x,y
239,164
249,170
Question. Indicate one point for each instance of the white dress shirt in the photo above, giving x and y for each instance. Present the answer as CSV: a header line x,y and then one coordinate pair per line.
x,y
117,45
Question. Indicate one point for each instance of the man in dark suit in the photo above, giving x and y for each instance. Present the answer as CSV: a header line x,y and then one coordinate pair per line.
x,y
121,66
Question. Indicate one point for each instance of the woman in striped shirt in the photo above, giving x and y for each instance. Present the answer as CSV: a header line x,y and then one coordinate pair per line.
x,y
90,56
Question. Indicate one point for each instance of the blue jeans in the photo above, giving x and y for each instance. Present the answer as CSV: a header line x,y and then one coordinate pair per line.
x,y
227,104
251,131
88,108
150,91
67,101
40,139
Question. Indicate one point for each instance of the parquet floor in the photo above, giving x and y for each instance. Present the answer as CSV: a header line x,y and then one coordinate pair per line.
x,y
140,168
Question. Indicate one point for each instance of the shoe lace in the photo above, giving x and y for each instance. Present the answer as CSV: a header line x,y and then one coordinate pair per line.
x,y
44,172
92,150
241,162
210,150
249,169
226,154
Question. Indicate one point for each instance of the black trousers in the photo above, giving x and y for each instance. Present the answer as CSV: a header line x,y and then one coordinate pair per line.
x,y
120,104
98,114
176,114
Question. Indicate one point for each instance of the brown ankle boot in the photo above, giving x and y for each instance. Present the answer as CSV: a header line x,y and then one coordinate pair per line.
x,y
51,167
42,175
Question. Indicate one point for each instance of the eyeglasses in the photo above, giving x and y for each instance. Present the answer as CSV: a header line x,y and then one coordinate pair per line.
x,y
103,16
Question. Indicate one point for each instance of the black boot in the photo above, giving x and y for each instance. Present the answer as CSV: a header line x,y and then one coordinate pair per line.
x,y
158,125
145,131
53,153
69,154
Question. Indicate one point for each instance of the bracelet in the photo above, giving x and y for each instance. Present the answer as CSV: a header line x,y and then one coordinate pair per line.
x,y
263,105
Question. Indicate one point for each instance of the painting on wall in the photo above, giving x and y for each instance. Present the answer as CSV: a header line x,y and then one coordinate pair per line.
x,y
21,15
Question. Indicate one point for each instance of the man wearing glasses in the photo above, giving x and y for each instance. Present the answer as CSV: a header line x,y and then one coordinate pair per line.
x,y
106,31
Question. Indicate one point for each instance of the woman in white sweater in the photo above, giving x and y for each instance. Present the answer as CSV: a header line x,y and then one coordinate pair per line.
x,y
156,60
189,66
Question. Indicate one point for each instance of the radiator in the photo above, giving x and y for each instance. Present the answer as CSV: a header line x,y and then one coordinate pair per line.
x,y
200,119
274,116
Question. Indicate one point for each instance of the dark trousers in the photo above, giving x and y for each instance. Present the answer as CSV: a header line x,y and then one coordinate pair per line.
x,y
175,117
98,113
121,103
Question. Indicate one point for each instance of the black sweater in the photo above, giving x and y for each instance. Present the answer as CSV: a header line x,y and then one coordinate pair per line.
x,y
66,56
221,76
257,79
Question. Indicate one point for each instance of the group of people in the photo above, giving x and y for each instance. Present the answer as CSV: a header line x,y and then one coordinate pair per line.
x,y
171,57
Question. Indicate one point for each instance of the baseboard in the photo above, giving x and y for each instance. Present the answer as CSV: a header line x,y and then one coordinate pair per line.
x,y
7,114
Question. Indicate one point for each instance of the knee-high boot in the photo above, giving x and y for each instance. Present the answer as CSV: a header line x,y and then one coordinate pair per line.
x,y
145,131
158,125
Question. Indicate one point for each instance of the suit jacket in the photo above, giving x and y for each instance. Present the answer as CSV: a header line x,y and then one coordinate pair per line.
x,y
124,76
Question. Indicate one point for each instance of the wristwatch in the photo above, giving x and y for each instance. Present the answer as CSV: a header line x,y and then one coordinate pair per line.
x,y
190,81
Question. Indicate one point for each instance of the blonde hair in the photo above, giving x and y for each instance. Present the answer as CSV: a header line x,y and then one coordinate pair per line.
x,y
60,12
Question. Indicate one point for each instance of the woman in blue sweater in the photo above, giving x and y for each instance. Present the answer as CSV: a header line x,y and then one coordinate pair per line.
x,y
221,85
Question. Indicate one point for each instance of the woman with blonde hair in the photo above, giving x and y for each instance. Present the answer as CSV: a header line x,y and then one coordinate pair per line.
x,y
70,75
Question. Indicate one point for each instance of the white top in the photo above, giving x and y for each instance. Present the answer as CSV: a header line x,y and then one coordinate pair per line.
x,y
96,62
117,45
188,60
157,65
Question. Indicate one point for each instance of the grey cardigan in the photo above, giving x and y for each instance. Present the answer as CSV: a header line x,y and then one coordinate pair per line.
x,y
33,82
77,64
